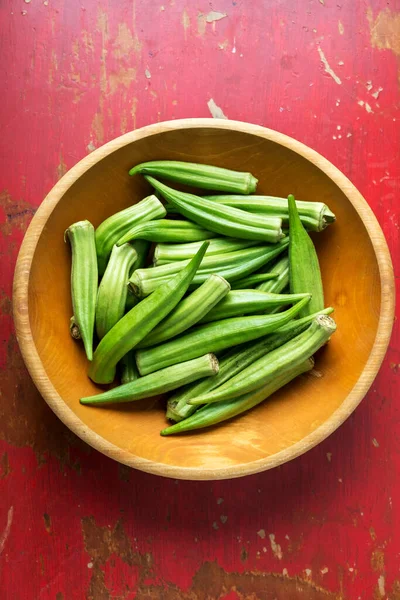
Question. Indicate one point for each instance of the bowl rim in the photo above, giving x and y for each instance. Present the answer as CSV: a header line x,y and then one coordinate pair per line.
x,y
73,422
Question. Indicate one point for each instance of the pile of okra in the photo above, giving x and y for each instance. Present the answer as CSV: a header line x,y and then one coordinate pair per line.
x,y
216,298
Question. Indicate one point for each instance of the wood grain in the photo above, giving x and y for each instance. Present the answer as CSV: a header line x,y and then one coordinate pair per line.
x,y
358,282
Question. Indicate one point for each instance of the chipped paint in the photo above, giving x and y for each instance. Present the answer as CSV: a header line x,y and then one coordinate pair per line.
x,y
329,456
201,24
375,442
7,529
147,73
185,22
340,27
215,110
385,30
261,533
327,67
377,93
378,560
276,549
4,462
223,519
90,147
223,45
220,500
381,585
215,15
47,522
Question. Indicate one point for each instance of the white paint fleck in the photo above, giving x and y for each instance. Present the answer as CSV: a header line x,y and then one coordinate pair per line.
x,y
375,442
234,46
340,63
324,570
220,500
285,572
215,525
223,519
351,569
338,102
376,94
24,12
327,67
308,572
6,532
368,108
362,514
340,27
334,137
360,103
27,1
162,7
264,549
287,537
90,565
90,147
215,15
368,85
147,74
381,585
215,110
261,533
338,127
349,134
46,2
276,549
340,480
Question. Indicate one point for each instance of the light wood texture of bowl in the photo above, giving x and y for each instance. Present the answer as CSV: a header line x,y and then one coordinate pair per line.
x,y
357,275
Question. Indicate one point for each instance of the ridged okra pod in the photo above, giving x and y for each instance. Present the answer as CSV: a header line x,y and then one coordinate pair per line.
x,y
112,229
84,279
225,220
166,253
212,414
189,311
277,285
113,290
202,176
233,362
304,271
315,216
128,367
252,281
231,266
244,302
264,370
167,230
160,382
212,337
139,321
142,250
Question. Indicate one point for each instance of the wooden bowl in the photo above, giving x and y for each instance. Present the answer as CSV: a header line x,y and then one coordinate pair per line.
x,y
358,281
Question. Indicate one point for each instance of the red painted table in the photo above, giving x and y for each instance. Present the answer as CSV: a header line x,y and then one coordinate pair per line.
x,y
74,524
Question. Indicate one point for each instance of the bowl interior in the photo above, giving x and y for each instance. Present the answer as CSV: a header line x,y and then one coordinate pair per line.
x,y
351,282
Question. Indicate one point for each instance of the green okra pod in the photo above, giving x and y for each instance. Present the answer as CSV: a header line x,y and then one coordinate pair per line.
x,y
113,290
189,311
84,279
315,216
225,220
304,271
166,253
160,382
167,230
231,266
139,321
277,285
235,361
202,176
212,414
244,302
265,369
142,249
212,337
128,366
110,231
252,280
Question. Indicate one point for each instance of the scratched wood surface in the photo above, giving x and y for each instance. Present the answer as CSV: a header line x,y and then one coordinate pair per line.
x,y
74,524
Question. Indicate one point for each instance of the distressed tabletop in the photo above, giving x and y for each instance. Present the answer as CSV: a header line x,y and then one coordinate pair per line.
x,y
74,524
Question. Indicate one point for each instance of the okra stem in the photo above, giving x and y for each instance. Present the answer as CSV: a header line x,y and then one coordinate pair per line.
x,y
202,176
268,367
84,279
315,216
212,414
226,220
212,337
139,321
189,311
157,383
